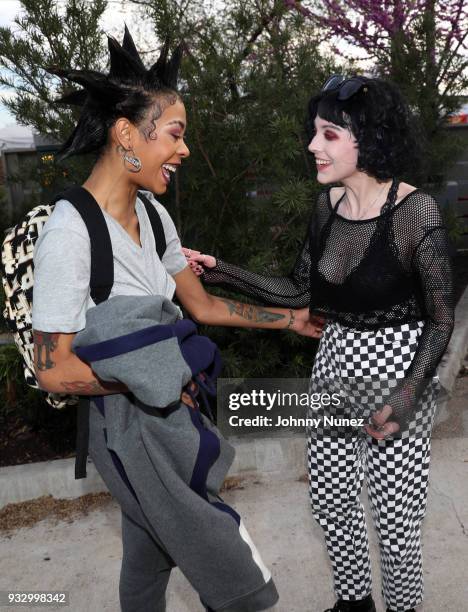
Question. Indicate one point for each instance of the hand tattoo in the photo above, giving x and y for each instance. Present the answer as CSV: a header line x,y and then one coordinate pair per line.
x,y
251,313
46,344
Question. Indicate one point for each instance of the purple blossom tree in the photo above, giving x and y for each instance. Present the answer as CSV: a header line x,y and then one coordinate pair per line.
x,y
372,25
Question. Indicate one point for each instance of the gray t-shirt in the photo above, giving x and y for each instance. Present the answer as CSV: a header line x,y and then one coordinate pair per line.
x,y
62,264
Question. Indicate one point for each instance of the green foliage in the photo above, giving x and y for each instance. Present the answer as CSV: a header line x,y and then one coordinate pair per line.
x,y
17,400
10,363
455,226
15,395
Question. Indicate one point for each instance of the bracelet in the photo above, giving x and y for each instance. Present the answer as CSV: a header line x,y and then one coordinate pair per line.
x,y
292,318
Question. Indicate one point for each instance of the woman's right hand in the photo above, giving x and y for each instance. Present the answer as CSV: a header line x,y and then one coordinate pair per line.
x,y
307,324
198,261
381,425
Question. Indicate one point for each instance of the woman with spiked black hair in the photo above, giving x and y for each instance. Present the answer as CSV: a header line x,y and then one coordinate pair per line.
x,y
135,120
375,262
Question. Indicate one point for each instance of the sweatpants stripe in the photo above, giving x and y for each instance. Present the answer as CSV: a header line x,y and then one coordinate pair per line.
x,y
255,554
208,453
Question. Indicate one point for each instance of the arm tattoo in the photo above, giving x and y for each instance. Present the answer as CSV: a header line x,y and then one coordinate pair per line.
x,y
81,387
251,313
46,344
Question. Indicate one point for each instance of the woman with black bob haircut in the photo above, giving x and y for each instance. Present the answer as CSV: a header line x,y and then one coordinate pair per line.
x,y
163,461
385,130
375,264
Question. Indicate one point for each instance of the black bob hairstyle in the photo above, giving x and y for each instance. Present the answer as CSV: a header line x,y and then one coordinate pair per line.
x,y
381,122
129,90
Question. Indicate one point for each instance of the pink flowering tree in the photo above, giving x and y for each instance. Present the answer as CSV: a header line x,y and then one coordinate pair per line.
x,y
422,45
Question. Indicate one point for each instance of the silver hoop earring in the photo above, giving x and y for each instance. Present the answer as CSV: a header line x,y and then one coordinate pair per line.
x,y
131,162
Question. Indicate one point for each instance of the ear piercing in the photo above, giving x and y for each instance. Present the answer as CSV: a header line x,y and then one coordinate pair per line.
x,y
131,162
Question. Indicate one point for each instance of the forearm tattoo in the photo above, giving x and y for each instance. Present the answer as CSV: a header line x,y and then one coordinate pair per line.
x,y
46,344
251,313
81,387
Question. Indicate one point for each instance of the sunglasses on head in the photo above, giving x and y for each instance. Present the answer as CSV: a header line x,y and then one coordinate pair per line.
x,y
347,87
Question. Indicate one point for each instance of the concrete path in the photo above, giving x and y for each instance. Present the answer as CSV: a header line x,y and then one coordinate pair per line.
x,y
84,556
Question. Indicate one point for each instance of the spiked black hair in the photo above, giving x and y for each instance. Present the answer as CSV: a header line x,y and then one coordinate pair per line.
x,y
129,90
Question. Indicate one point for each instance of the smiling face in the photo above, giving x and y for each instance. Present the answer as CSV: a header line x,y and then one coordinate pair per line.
x,y
160,146
335,150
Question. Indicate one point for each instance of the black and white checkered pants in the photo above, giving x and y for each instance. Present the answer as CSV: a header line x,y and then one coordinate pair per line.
x,y
362,367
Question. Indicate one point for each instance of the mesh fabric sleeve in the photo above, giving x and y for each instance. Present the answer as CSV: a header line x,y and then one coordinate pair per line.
x,y
292,291
432,265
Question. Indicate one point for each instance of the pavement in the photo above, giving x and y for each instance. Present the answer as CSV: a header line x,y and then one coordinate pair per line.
x,y
83,556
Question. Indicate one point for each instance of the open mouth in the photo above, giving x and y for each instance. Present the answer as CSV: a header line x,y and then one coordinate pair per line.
x,y
322,164
167,170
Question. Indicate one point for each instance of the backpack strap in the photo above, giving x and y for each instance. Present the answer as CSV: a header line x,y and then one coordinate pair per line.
x,y
156,224
100,284
102,261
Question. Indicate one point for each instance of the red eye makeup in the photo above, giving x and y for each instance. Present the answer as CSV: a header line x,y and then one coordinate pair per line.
x,y
329,135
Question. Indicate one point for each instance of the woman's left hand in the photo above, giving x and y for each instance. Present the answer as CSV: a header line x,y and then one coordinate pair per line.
x,y
306,324
380,427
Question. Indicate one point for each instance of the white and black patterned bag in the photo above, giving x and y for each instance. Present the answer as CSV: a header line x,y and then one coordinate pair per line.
x,y
18,279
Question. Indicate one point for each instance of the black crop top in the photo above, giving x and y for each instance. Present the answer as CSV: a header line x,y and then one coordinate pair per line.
x,y
368,274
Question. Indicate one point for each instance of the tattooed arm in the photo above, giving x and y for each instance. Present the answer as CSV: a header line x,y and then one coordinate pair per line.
x,y
211,310
59,370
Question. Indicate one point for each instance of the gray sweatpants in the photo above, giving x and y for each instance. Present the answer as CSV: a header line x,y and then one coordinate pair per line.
x,y
145,565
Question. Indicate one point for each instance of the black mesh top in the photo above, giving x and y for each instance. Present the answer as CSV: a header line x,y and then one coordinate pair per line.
x,y
368,274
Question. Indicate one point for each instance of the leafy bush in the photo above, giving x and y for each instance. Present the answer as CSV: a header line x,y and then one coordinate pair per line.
x,y
58,427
